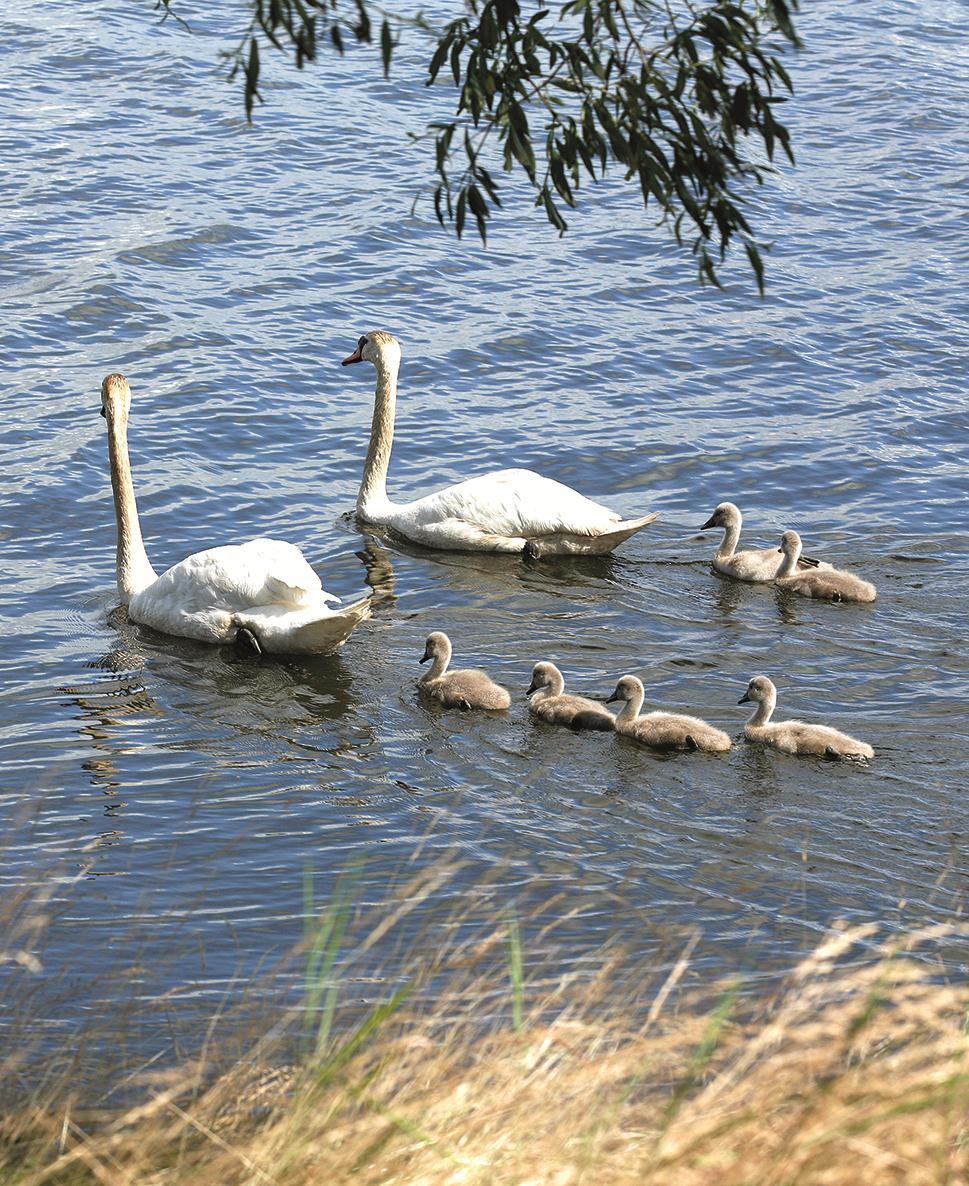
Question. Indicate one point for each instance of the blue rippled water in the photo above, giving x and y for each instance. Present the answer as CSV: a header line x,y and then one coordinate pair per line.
x,y
174,795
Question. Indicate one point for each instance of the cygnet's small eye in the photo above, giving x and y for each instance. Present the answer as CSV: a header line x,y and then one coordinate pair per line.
x,y
362,343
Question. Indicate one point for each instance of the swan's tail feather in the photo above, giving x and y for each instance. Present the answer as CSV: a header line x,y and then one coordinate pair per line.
x,y
569,543
329,633
303,632
622,531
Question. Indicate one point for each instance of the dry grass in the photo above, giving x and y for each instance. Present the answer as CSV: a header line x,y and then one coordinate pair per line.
x,y
851,1073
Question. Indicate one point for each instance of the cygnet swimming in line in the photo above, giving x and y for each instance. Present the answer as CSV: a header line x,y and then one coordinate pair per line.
x,y
465,688
550,702
828,584
756,564
663,730
795,737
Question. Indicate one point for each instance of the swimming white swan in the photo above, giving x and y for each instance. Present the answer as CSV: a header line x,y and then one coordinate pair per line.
x,y
550,702
663,730
511,510
825,584
264,589
759,564
795,737
465,688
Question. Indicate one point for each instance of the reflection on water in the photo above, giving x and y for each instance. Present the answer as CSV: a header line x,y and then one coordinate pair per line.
x,y
194,789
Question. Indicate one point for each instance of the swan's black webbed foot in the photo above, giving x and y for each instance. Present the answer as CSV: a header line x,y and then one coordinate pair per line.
x,y
831,753
464,705
690,742
245,637
530,550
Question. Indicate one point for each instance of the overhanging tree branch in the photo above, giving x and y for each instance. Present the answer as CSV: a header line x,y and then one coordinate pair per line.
x,y
679,96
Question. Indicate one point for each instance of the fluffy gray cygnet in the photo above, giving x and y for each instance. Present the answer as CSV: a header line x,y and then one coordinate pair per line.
x,y
465,688
550,702
795,737
663,730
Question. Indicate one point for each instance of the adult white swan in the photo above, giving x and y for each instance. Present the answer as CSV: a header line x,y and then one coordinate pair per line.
x,y
511,510
264,589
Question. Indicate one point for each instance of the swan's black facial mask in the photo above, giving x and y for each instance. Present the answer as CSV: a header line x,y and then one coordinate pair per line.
x,y
357,355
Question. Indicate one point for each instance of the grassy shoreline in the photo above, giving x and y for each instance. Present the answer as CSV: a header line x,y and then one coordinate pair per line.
x,y
854,1070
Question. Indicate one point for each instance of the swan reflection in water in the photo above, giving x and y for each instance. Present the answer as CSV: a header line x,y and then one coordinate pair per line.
x,y
226,692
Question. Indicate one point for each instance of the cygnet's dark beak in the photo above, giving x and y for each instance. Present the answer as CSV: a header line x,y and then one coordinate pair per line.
x,y
426,655
356,356
781,550
711,522
744,699
103,412
532,687
614,696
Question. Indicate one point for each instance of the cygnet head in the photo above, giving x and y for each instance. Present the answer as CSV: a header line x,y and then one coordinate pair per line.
x,y
377,347
790,544
115,396
545,675
726,515
760,689
438,644
628,688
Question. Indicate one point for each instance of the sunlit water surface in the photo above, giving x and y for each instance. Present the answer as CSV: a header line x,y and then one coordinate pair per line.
x,y
176,797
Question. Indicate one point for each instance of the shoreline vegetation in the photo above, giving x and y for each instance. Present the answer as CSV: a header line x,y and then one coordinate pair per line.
x,y
475,1068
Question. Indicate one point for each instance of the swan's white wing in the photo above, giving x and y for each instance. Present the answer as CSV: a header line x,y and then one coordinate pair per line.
x,y
289,578
514,503
239,576
197,597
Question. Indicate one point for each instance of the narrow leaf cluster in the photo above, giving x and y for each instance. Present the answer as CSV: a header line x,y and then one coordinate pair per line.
x,y
678,98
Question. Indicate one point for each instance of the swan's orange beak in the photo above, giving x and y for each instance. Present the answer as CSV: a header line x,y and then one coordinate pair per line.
x,y
356,356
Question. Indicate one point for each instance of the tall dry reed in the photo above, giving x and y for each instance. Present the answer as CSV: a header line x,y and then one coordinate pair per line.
x,y
852,1071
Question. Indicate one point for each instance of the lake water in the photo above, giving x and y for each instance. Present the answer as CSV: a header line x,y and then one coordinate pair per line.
x,y
174,796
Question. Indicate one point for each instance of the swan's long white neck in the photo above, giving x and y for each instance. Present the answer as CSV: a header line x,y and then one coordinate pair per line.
x,y
731,537
372,501
764,710
789,563
630,710
134,570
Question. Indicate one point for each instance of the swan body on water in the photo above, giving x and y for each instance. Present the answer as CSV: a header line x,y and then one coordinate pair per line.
x,y
663,730
755,564
795,737
466,687
264,588
828,584
550,702
511,510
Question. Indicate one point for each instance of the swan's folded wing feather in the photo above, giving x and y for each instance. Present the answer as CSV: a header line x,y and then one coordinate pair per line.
x,y
516,503
239,576
289,579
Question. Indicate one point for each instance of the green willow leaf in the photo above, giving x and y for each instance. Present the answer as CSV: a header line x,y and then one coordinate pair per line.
x,y
680,100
